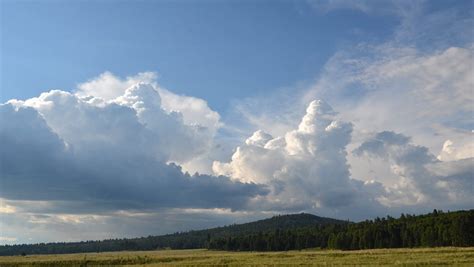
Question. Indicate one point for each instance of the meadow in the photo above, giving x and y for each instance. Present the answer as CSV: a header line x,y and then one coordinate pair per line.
x,y
199,257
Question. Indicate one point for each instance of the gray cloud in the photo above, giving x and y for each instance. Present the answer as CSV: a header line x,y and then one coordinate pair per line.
x,y
422,175
103,158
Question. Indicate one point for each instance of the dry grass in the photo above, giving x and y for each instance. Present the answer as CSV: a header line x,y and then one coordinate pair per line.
x,y
377,257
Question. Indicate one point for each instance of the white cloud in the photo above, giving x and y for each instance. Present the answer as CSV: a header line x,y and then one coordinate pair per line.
x,y
418,81
179,141
108,87
70,161
425,95
5,208
451,151
306,167
194,110
401,89
423,179
62,149
440,83
186,116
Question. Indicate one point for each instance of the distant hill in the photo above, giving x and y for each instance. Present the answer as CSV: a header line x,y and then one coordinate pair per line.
x,y
288,232
435,229
183,240
282,222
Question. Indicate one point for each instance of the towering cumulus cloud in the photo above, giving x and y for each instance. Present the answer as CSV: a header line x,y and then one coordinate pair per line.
x,y
306,167
108,155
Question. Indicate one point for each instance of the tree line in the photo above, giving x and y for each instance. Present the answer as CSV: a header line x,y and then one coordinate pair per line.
x,y
289,232
430,230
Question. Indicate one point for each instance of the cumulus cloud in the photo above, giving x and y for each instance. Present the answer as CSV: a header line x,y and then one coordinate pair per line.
x,y
307,167
63,148
180,141
69,160
422,177
107,86
425,95
460,150
195,111
417,82
414,90
422,93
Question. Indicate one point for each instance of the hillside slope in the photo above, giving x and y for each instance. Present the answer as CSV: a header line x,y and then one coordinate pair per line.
x,y
185,240
429,230
282,222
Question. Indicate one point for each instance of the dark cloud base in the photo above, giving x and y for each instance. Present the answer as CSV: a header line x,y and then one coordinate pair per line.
x,y
36,164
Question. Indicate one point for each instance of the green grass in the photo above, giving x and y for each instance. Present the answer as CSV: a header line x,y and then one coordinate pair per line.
x,y
376,257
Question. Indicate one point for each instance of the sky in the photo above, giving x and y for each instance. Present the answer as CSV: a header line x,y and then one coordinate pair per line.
x,y
137,118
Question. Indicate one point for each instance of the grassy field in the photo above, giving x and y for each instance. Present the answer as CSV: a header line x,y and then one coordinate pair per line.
x,y
376,257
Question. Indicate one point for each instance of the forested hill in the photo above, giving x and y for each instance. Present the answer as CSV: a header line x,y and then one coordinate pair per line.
x,y
282,222
430,230
184,240
287,232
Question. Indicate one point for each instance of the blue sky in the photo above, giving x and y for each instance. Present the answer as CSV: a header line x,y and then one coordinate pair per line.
x,y
131,118
213,50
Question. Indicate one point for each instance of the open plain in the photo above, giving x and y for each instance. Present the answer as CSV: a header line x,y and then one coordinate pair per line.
x,y
377,257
